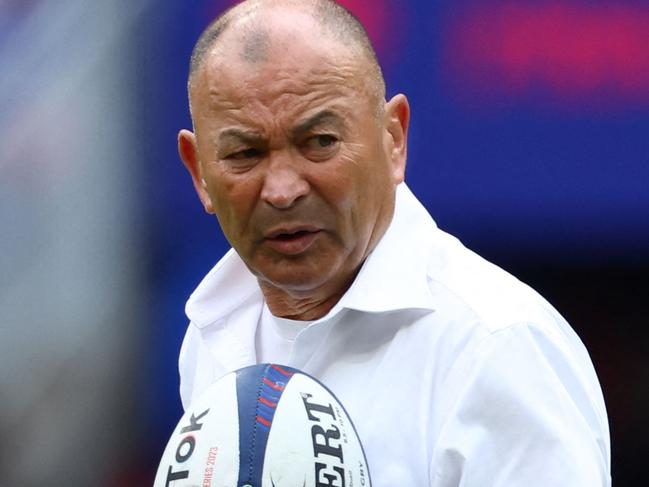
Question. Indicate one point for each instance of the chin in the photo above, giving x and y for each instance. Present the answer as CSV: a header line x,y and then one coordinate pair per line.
x,y
302,276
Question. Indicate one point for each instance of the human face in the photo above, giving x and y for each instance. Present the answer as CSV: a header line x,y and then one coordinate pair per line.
x,y
292,158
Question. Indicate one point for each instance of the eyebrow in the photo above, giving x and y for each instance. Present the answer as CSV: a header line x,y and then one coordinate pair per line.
x,y
252,138
244,136
323,117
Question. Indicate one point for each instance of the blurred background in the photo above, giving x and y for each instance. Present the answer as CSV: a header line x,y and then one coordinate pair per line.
x,y
529,141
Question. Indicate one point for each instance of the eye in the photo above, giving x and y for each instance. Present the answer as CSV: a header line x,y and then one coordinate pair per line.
x,y
241,160
325,140
320,147
250,153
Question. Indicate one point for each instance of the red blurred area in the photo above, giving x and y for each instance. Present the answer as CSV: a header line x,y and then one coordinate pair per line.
x,y
577,53
374,17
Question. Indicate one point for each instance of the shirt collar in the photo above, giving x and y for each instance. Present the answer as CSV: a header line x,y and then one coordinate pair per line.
x,y
393,277
223,290
395,274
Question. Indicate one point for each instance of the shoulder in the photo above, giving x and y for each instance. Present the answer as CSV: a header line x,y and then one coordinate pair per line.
x,y
496,298
521,386
524,406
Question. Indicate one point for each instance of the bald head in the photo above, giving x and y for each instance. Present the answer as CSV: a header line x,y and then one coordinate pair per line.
x,y
255,38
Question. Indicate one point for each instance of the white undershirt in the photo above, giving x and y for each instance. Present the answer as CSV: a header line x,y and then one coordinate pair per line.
x,y
275,337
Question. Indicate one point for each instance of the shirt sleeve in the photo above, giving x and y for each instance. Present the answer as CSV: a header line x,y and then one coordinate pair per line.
x,y
529,412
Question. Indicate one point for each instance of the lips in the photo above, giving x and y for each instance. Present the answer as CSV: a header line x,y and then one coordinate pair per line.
x,y
291,241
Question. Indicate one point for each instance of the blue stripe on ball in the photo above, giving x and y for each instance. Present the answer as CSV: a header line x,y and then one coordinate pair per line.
x,y
259,388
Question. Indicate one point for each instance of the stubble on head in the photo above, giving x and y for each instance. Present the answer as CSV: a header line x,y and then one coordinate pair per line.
x,y
254,39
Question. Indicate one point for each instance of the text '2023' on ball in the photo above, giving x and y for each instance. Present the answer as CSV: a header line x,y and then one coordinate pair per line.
x,y
265,426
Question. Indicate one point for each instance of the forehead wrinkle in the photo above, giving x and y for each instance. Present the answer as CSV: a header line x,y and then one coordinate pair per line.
x,y
219,99
264,128
283,84
322,117
280,94
288,89
289,110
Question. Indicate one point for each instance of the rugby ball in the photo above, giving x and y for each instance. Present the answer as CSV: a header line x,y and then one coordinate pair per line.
x,y
264,426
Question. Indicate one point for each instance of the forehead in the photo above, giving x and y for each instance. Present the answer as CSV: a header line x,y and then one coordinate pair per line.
x,y
285,63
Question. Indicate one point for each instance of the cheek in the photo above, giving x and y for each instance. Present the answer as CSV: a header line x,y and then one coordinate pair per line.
x,y
366,172
336,185
348,194
234,200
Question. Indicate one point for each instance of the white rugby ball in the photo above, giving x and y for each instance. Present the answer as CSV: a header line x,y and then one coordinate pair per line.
x,y
264,426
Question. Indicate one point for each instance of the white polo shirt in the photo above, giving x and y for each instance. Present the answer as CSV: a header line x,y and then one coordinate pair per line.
x,y
453,371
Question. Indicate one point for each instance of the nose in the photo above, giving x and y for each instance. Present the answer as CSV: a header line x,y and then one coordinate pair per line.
x,y
284,183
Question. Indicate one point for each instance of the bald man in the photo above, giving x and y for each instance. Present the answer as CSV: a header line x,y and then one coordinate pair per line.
x,y
454,372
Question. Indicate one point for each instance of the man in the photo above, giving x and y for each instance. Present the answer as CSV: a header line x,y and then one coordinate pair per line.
x,y
454,372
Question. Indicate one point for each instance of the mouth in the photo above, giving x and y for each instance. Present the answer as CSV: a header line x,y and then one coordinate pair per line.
x,y
291,236
292,241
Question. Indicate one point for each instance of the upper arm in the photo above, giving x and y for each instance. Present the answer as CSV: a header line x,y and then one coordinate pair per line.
x,y
528,413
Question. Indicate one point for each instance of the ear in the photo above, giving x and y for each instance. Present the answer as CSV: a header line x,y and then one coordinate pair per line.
x,y
188,150
397,119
